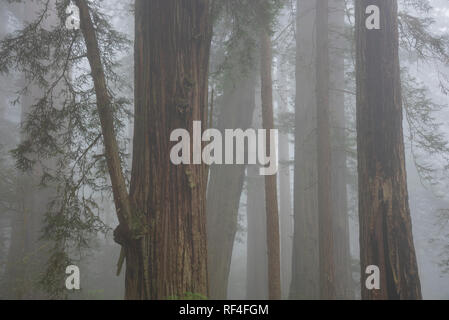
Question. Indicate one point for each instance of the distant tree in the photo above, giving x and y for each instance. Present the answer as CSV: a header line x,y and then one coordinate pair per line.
x,y
234,109
235,81
272,210
256,257
344,285
325,211
305,260
285,197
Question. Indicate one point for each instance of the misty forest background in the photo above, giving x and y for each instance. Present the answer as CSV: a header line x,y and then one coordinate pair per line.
x,y
85,175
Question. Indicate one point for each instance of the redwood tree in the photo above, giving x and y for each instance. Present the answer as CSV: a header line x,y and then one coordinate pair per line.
x,y
319,79
344,286
162,221
273,242
325,211
171,70
385,225
305,275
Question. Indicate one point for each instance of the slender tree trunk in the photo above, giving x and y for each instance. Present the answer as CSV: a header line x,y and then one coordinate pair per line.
x,y
226,181
273,245
305,279
386,239
285,207
285,196
325,221
343,281
257,259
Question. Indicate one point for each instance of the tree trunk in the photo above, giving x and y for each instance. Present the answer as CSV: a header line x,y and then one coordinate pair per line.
x,y
274,276
386,239
285,197
343,281
172,46
257,259
305,280
285,208
226,181
325,224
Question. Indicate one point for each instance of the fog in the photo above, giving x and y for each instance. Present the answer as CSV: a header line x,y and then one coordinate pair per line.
x,y
58,203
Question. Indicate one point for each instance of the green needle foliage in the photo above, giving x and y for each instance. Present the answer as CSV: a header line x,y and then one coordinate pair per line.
x,y
62,125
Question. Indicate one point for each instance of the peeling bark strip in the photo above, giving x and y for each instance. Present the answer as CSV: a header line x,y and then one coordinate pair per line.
x,y
172,43
385,224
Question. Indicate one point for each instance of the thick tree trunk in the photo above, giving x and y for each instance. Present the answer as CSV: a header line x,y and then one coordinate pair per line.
x,y
226,181
325,224
386,239
273,245
172,45
343,280
162,222
305,280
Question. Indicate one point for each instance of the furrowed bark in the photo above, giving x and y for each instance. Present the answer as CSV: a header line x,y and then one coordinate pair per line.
x,y
386,239
164,234
172,43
